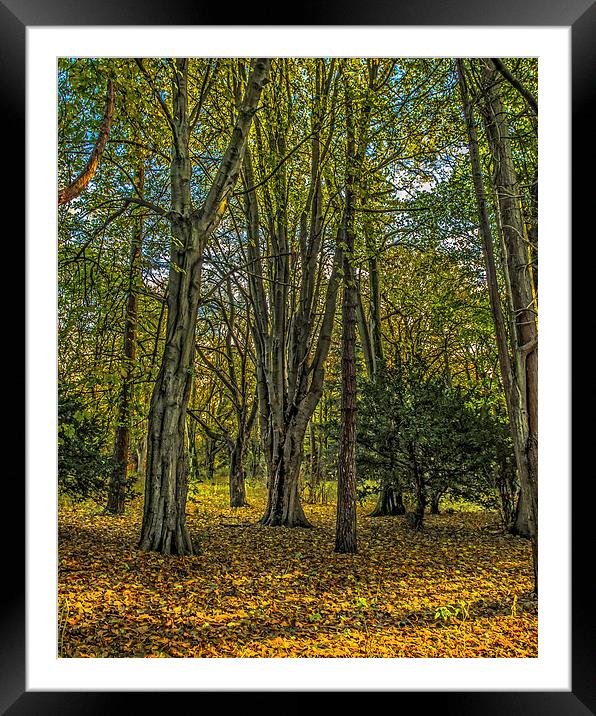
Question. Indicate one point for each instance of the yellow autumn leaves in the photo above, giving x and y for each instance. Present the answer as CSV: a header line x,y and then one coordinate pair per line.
x,y
458,589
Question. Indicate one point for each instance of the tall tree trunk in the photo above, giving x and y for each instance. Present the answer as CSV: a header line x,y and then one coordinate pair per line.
x,y
118,476
238,453
211,450
287,292
375,314
164,518
518,368
519,263
364,333
314,466
314,453
345,529
164,529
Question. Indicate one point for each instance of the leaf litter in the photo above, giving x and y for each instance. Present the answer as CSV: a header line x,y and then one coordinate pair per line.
x,y
461,588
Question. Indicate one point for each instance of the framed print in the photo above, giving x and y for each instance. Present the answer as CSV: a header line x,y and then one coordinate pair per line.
x,y
558,676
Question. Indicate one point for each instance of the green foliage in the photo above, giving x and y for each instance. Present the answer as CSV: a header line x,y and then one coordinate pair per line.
x,y
410,423
448,612
83,466
415,222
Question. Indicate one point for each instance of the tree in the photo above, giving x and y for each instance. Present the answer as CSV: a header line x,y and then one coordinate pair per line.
x,y
164,516
345,529
119,476
518,349
428,438
293,283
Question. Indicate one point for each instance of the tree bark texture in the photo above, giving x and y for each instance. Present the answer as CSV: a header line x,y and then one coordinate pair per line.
x,y
518,348
518,260
345,531
118,477
345,527
293,308
164,518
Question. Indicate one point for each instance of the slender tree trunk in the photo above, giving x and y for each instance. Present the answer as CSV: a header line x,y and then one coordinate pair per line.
x,y
193,455
389,502
375,315
345,530
364,333
238,455
345,533
435,500
237,476
210,454
118,476
314,455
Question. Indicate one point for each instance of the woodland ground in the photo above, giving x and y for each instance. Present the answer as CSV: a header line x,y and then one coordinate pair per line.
x,y
460,588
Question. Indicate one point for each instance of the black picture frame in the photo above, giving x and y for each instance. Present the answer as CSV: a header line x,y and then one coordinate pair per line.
x,y
580,15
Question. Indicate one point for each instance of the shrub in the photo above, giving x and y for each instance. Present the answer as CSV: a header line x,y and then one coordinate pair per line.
x,y
83,465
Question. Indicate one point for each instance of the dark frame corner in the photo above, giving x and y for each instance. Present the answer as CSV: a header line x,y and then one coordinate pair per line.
x,y
580,15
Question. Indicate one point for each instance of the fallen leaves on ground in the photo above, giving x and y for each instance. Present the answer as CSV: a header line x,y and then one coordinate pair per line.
x,y
460,588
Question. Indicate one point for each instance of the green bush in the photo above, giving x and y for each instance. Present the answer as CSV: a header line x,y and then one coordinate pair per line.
x,y
83,466
413,429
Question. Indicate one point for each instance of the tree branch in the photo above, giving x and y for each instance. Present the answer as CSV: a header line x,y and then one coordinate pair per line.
x,y
78,185
517,84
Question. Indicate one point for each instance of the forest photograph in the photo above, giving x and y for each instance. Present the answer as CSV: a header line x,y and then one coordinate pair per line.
x,y
297,343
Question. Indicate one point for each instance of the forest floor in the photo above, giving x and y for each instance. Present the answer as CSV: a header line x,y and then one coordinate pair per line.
x,y
460,588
